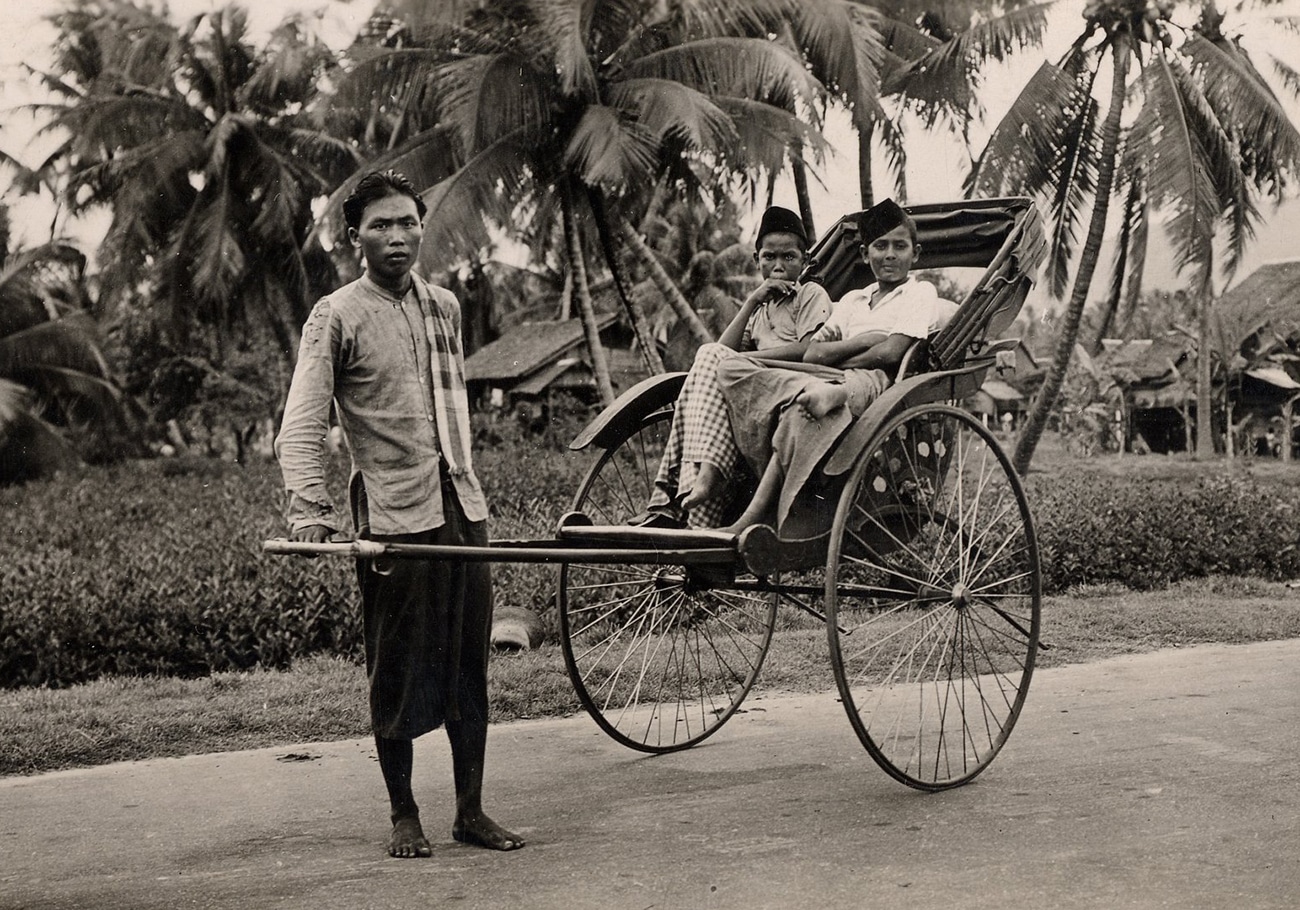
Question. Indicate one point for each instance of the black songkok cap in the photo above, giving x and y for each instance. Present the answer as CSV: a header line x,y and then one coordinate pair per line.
x,y
879,220
777,220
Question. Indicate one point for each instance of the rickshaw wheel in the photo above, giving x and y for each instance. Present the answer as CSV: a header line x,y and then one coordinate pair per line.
x,y
660,656
933,597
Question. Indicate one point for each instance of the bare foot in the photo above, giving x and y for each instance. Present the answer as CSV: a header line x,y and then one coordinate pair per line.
x,y
709,484
821,398
481,831
407,840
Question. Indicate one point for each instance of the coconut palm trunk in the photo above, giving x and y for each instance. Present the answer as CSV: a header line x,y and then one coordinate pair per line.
x,y
586,309
1204,378
1110,133
662,282
640,325
865,190
801,193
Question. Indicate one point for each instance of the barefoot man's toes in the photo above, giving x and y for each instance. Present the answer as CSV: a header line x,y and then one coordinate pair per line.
x,y
407,840
481,831
820,399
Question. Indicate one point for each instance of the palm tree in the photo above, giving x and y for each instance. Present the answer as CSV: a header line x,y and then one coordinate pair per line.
x,y
1196,134
58,399
204,149
530,109
935,56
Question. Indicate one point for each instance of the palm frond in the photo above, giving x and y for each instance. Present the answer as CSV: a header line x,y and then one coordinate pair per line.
x,y
485,191
845,49
942,82
666,108
1178,179
764,136
15,400
1046,144
489,96
1223,160
609,151
737,67
1248,108
566,33
427,158
1130,250
72,342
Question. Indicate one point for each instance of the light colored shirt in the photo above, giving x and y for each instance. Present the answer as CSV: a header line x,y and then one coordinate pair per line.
x,y
914,308
788,320
367,351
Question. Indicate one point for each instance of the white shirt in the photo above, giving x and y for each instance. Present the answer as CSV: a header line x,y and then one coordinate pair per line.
x,y
914,308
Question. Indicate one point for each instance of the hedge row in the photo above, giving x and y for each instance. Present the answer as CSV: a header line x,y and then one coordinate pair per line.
x,y
155,567
1145,533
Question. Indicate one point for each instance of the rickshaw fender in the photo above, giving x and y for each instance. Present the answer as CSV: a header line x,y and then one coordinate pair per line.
x,y
943,385
621,417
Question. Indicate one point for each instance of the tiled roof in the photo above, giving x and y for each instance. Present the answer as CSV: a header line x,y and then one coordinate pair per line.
x,y
527,348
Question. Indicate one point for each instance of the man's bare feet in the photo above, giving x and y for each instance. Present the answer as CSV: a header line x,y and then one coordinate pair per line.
x,y
407,840
709,484
481,831
820,398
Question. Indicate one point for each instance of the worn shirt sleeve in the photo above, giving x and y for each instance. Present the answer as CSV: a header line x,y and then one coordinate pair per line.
x,y
300,445
812,309
833,328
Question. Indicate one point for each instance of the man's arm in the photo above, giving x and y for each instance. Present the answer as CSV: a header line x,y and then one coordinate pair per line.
x,y
300,444
887,355
837,353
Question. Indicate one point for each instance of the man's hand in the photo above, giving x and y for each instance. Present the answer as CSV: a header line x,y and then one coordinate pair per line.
x,y
772,289
311,534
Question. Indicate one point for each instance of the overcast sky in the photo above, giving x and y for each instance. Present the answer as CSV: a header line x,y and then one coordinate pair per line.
x,y
934,173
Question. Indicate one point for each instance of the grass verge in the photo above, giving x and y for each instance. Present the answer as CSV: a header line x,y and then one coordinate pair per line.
x,y
323,699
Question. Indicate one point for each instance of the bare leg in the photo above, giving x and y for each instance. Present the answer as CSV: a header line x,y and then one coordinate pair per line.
x,y
472,826
820,398
709,484
395,761
761,506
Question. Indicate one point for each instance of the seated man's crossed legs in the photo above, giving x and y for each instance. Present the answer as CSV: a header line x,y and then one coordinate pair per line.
x,y
700,459
785,423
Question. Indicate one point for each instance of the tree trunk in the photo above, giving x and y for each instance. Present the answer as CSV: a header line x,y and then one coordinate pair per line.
x,y
801,192
587,311
645,338
664,284
566,295
1204,377
1287,409
1110,133
865,190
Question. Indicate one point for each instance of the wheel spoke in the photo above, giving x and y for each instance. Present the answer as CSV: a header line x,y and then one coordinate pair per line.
x,y
933,597
659,660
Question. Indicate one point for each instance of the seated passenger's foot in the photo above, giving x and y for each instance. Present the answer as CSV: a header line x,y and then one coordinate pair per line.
x,y
710,483
820,398
657,518
407,840
481,831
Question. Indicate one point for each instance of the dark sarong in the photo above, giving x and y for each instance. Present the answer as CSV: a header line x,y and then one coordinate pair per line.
x,y
427,629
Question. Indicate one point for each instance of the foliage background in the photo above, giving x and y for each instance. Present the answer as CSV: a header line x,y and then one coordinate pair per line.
x,y
154,567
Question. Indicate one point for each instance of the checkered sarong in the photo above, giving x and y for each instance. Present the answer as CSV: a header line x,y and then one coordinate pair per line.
x,y
701,432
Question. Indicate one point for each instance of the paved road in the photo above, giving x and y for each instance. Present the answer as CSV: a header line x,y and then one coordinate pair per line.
x,y
1163,780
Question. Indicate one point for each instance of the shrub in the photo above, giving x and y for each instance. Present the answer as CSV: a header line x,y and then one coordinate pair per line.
x,y
155,567
1146,533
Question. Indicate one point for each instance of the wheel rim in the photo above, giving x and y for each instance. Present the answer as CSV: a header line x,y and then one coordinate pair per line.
x,y
659,656
933,596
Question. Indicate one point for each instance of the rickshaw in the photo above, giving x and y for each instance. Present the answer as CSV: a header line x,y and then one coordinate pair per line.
x,y
924,570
